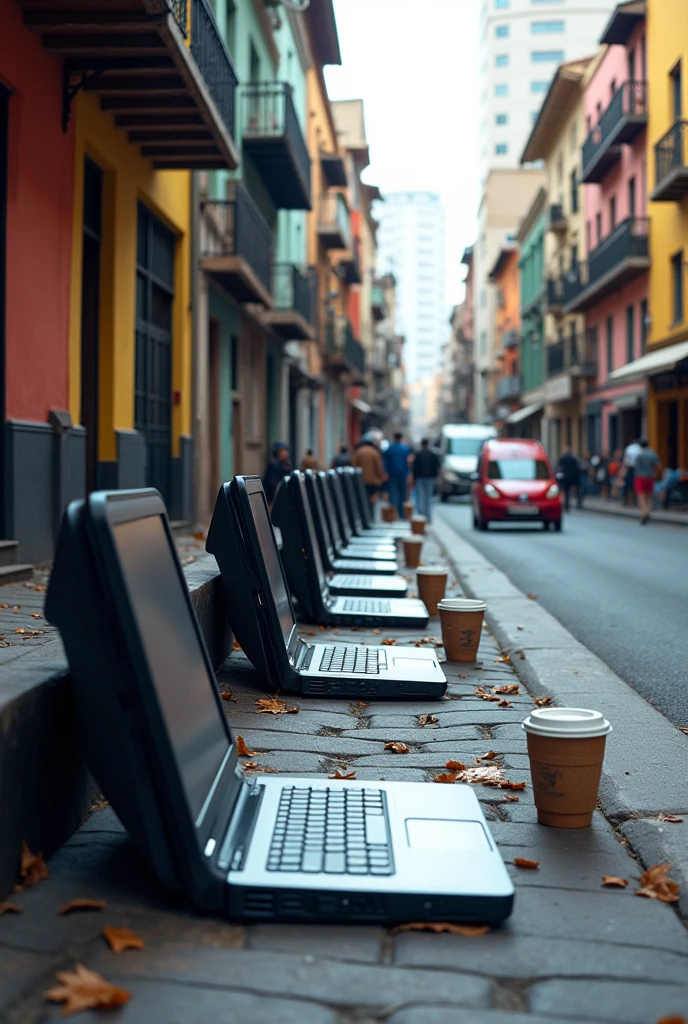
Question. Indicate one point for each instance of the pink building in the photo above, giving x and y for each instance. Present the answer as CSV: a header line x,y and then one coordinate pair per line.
x,y
611,287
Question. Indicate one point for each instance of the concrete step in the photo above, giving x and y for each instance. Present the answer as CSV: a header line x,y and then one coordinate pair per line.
x,y
15,573
8,552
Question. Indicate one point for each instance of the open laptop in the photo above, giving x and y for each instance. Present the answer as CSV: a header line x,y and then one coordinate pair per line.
x,y
351,583
160,746
341,558
400,528
308,580
375,547
260,613
359,528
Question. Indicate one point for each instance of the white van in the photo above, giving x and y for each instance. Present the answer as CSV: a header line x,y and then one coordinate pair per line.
x,y
460,446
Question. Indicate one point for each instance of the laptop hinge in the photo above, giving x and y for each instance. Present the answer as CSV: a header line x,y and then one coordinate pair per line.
x,y
235,845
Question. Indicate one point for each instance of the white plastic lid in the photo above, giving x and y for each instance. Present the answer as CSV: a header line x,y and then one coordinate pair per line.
x,y
412,539
419,519
562,722
432,570
462,604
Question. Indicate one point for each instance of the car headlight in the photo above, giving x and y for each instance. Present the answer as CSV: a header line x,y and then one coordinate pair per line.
x,y
491,491
553,491
449,474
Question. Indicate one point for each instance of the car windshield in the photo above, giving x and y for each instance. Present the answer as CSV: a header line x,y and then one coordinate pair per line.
x,y
518,469
464,445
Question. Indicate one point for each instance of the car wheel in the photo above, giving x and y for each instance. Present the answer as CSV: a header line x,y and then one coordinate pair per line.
x,y
546,525
557,526
482,524
475,521
444,497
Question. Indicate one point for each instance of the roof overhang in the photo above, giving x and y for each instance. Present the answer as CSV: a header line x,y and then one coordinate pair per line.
x,y
322,29
500,263
525,413
625,18
653,362
564,89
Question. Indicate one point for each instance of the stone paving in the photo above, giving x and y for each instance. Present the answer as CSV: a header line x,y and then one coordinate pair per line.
x,y
571,951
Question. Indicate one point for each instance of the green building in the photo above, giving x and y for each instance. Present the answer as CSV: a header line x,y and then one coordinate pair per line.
x,y
531,240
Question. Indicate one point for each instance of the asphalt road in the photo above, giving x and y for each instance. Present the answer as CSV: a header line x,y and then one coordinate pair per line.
x,y
620,588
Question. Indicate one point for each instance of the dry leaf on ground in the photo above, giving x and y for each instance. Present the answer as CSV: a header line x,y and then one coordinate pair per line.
x,y
274,706
20,631
506,659
673,819
388,641
36,615
361,704
683,728
236,646
32,868
82,989
524,862
672,1020
487,757
199,535
397,748
542,702
655,884
446,777
485,696
242,749
4,606
508,688
262,769
10,908
613,882
227,695
470,930
342,775
505,704
120,939
532,597
82,905
376,631
455,766
511,798
428,720
507,784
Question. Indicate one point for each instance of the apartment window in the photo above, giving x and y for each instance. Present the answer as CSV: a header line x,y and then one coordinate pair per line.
x,y
502,60
539,86
501,31
540,28
501,5
574,191
677,286
630,334
676,98
643,326
501,118
612,213
610,344
598,228
483,342
631,197
502,89
483,298
546,56
501,149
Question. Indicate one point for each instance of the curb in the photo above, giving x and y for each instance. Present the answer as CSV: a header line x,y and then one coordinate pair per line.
x,y
657,516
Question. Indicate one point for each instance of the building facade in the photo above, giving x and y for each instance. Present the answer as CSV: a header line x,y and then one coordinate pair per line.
x,y
528,420
504,276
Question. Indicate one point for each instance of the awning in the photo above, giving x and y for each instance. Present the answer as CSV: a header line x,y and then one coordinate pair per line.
x,y
523,414
628,402
652,362
362,406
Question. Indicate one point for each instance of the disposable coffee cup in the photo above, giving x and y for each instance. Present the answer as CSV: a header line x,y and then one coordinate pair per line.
x,y
461,619
566,750
408,509
418,524
412,546
389,513
432,583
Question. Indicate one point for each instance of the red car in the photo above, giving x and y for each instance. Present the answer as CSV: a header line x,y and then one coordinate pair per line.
x,y
515,482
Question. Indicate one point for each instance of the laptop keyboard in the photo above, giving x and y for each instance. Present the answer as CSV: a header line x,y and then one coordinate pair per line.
x,y
333,831
361,582
365,606
351,659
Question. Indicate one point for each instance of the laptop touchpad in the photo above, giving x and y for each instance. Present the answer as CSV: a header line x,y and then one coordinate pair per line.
x,y
446,834
415,664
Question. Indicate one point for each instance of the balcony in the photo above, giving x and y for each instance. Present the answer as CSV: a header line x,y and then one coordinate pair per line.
x,y
236,247
671,170
271,135
295,292
554,295
334,169
377,303
621,122
576,356
621,256
556,219
176,101
334,222
509,388
511,339
349,266
344,353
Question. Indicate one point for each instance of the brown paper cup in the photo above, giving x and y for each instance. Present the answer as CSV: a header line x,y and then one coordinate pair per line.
x,y
418,524
408,509
432,583
389,513
462,626
412,546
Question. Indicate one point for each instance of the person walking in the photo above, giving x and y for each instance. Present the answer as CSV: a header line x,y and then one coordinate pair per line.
x,y
396,462
425,470
278,467
309,461
568,474
342,458
629,457
583,484
368,459
644,476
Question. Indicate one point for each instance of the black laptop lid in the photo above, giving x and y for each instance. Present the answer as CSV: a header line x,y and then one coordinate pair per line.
x,y
324,489
339,504
347,482
318,515
300,555
361,496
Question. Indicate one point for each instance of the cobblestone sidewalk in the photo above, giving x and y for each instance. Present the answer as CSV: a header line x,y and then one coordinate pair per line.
x,y
572,950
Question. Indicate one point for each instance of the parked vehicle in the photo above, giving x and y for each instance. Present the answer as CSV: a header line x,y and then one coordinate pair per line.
x,y
460,445
515,482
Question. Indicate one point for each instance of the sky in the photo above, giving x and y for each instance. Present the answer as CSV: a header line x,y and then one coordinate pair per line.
x,y
415,64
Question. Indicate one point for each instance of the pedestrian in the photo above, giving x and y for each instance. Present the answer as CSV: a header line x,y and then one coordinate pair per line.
x,y
629,457
309,461
645,473
613,469
342,458
278,467
397,457
426,468
583,479
568,474
368,459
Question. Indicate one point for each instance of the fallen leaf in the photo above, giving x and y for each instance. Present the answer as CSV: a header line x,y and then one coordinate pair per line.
x,y
308,633
82,989
274,706
20,631
506,659
242,749
10,908
511,798
470,930
199,535
673,819
342,775
612,882
522,655
428,720
446,777
253,766
683,728
16,608
4,606
376,631
120,939
455,766
485,696
523,862
504,704
463,677
532,597
82,905
388,642
672,1020
36,615
655,884
32,868
397,748
227,695
361,704
507,784
323,629
542,702
236,646
487,757
39,586
508,688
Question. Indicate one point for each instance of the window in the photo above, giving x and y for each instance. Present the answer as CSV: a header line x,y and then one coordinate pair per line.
x,y
502,89
612,213
518,469
677,285
610,344
539,86
501,5
598,228
631,197
676,99
538,28
501,149
502,60
501,31
501,118
643,326
630,334
546,56
574,191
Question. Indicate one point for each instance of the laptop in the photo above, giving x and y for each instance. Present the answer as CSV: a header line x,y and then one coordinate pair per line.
x,y
308,580
375,547
360,529
401,528
275,848
341,557
260,613
351,584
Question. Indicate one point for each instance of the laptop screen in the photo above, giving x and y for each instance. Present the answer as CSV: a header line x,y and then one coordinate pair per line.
x,y
273,565
174,655
330,508
310,526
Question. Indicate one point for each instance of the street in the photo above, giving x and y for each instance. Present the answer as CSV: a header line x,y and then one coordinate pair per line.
x,y
619,588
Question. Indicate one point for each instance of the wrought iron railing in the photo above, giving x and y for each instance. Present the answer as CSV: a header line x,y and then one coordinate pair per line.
x,y
214,60
577,353
555,291
268,112
630,100
236,227
556,357
670,151
340,339
180,13
628,239
333,212
295,288
509,387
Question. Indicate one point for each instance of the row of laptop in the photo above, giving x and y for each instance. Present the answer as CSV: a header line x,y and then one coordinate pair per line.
x,y
158,741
